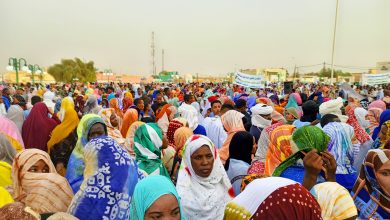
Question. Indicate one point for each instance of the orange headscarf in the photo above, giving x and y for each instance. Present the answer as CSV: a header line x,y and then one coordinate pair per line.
x,y
46,192
129,118
232,122
114,103
279,147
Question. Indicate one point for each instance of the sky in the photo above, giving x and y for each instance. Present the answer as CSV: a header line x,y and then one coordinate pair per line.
x,y
209,37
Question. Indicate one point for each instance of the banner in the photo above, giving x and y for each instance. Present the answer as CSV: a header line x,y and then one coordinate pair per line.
x,y
376,79
247,80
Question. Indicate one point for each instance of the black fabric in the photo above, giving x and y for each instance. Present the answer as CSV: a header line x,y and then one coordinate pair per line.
x,y
328,118
240,148
310,110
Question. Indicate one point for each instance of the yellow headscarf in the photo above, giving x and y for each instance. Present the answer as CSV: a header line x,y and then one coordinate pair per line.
x,y
5,174
68,124
5,197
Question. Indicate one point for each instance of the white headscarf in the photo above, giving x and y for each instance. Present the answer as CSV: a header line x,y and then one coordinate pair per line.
x,y
203,198
190,114
257,111
333,107
360,114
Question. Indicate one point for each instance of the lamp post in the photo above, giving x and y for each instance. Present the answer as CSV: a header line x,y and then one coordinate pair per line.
x,y
108,73
34,69
15,64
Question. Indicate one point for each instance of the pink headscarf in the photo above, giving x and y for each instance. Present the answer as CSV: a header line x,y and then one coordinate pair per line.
x,y
9,128
378,104
297,98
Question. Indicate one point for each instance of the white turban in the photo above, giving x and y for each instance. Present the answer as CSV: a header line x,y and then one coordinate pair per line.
x,y
257,111
333,107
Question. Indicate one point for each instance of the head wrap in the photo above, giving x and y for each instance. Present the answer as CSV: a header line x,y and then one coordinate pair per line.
x,y
46,192
333,107
334,200
257,111
378,104
211,193
306,139
7,151
367,183
273,198
146,193
147,147
310,111
110,177
385,116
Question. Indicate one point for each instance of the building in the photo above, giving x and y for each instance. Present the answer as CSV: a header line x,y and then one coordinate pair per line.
x,y
383,67
123,78
25,77
269,74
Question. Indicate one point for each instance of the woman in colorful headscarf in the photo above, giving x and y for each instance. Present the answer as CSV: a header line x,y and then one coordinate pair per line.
x,y
38,120
240,157
92,106
232,122
334,200
129,118
164,116
371,191
172,127
148,143
203,184
341,147
385,116
90,125
110,177
292,103
279,148
9,129
127,101
291,115
111,119
309,141
273,198
129,142
378,104
63,139
79,104
37,183
384,136
7,154
373,117
151,202
359,131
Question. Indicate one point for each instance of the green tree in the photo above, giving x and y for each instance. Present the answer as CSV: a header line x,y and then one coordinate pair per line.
x,y
327,72
69,69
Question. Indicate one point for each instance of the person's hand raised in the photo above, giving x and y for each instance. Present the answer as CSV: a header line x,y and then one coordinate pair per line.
x,y
312,163
329,166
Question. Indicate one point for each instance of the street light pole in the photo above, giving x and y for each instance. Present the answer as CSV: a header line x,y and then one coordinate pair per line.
x,y
34,69
108,73
15,64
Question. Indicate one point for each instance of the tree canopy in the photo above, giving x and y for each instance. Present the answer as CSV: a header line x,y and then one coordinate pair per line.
x,y
70,70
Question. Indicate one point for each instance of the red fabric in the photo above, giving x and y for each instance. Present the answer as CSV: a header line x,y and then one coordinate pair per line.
x,y
212,98
172,127
360,133
37,128
289,202
256,168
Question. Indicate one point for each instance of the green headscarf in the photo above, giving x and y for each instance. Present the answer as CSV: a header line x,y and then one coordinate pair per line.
x,y
147,148
306,139
146,193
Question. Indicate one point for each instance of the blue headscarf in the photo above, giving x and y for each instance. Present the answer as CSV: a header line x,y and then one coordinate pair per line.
x,y
110,177
146,193
385,116
75,169
292,103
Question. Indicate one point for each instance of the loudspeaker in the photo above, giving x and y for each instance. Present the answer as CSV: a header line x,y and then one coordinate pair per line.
x,y
288,86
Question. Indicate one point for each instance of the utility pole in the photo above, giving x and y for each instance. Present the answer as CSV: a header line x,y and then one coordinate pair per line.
x,y
153,55
162,60
334,41
295,71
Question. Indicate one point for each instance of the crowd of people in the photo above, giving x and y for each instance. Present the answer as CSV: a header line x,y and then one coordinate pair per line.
x,y
194,151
